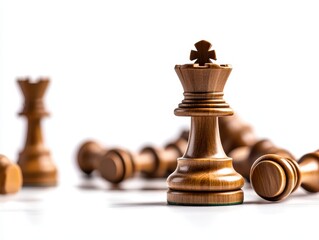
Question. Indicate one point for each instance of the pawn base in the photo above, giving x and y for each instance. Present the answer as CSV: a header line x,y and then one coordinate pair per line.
x,y
205,198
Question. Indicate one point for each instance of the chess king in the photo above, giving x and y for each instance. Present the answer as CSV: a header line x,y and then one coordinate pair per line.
x,y
35,160
204,175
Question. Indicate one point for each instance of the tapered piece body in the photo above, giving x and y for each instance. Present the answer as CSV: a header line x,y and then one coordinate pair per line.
x,y
274,177
10,176
38,168
204,175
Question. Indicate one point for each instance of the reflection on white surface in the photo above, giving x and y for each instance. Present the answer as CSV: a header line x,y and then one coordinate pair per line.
x,y
91,208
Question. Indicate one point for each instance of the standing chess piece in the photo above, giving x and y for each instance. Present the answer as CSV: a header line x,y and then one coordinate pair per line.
x,y
244,157
35,160
274,177
89,156
10,176
204,175
118,164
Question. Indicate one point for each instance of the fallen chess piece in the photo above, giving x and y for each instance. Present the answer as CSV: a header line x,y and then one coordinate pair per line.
x,y
244,157
10,176
275,177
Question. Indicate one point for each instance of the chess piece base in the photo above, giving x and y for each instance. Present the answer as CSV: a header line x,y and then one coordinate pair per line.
x,y
205,198
37,168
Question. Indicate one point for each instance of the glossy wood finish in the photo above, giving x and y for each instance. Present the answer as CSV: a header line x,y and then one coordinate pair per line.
x,y
37,166
117,165
275,177
204,175
10,176
244,157
89,156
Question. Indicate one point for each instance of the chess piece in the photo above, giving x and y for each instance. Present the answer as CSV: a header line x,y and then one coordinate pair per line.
x,y
244,157
38,169
235,133
118,165
89,155
275,177
10,176
204,175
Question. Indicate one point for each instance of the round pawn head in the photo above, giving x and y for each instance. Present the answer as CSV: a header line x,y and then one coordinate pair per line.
x,y
10,176
116,165
87,156
274,177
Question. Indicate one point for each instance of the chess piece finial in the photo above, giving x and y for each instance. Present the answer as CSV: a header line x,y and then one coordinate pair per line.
x,y
274,177
37,166
203,53
244,156
118,164
89,156
10,176
204,175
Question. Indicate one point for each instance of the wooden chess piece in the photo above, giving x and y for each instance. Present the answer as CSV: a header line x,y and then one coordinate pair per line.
x,y
244,157
10,176
275,177
118,165
37,166
204,175
89,156
234,133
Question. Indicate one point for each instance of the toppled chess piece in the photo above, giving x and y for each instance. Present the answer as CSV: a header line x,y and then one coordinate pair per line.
x,y
275,177
244,157
118,164
10,176
89,156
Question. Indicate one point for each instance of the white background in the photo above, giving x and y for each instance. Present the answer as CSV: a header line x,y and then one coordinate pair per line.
x,y
111,65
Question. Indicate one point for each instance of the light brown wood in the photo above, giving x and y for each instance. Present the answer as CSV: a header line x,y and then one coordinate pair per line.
x,y
235,133
117,165
204,175
10,176
37,166
89,156
275,177
245,156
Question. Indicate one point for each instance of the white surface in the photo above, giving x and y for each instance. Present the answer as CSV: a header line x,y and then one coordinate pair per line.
x,y
91,209
111,65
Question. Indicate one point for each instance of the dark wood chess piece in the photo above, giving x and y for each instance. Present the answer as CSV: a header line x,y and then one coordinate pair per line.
x,y
10,176
244,157
118,164
89,155
204,175
37,166
275,177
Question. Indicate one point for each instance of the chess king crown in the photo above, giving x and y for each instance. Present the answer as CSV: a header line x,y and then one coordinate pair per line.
x,y
203,84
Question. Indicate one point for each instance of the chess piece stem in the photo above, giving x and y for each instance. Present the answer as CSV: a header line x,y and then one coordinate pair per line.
x,y
37,166
274,177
